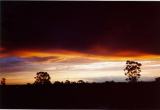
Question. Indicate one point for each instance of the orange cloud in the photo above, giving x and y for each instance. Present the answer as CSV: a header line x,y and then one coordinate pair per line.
x,y
67,54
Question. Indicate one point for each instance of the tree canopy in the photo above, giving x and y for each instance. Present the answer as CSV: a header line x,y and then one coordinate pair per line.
x,y
132,71
42,78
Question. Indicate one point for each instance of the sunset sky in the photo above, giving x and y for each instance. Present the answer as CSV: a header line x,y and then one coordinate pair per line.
x,y
78,40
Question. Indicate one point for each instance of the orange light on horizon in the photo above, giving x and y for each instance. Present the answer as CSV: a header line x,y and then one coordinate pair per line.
x,y
122,55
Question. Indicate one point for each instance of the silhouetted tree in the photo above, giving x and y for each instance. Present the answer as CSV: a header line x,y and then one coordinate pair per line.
x,y
73,82
67,82
3,81
42,78
28,84
57,82
132,71
81,81
157,79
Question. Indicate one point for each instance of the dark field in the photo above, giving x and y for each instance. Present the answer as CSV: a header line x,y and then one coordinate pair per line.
x,y
96,95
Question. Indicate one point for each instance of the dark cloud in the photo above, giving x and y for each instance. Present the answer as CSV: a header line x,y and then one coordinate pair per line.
x,y
80,26
12,64
16,64
42,59
16,60
13,60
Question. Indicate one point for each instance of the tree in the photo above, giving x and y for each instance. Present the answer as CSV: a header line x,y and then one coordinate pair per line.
x,y
57,83
28,84
3,81
157,79
42,78
81,81
67,82
132,71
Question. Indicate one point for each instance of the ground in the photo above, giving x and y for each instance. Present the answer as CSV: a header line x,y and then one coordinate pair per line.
x,y
96,95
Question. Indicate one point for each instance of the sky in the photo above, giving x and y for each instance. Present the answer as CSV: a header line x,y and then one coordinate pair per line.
x,y
78,40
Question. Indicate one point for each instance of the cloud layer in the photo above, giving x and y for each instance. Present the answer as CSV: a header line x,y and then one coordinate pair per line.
x,y
104,28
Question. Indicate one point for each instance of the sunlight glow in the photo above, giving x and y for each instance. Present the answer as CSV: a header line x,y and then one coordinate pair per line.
x,y
68,65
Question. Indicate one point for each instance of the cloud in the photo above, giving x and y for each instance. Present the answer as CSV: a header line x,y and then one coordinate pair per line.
x,y
64,55
16,64
113,28
42,59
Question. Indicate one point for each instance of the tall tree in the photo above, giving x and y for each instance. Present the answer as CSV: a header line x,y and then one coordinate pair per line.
x,y
132,71
42,78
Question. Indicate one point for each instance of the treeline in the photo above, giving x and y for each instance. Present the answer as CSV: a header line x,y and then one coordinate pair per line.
x,y
132,71
81,82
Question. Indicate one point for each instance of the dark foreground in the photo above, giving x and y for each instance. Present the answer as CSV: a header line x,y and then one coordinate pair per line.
x,y
100,96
